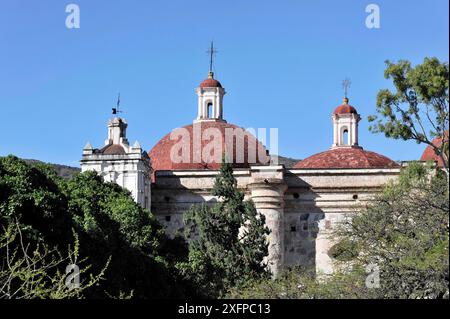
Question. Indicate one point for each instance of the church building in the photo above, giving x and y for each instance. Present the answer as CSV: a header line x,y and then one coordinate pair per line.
x,y
301,204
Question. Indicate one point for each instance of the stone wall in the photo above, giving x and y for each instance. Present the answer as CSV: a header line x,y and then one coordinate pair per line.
x,y
304,205
316,200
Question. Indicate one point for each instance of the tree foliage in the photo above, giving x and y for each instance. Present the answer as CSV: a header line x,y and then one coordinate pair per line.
x,y
34,271
112,225
418,109
32,194
405,232
227,240
112,229
299,283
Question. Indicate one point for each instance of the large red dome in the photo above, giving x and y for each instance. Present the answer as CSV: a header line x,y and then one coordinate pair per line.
x,y
346,157
253,152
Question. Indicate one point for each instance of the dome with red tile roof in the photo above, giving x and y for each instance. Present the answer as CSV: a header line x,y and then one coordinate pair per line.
x,y
210,82
430,155
346,157
345,108
206,142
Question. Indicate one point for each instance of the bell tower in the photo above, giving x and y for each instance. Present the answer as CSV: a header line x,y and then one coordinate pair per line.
x,y
119,162
345,125
210,99
345,122
210,95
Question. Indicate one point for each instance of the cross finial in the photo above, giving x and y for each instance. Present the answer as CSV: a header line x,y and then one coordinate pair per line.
x,y
211,51
346,84
116,110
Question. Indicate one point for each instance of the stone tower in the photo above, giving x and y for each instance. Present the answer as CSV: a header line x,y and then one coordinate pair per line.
x,y
118,162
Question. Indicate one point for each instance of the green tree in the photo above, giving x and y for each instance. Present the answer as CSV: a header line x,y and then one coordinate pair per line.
x,y
36,234
112,229
418,109
299,283
227,240
32,194
38,271
405,232
112,225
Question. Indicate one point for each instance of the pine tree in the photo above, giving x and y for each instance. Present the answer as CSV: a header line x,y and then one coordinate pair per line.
x,y
227,240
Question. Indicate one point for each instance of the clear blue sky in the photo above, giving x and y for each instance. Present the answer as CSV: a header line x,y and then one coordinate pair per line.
x,y
282,63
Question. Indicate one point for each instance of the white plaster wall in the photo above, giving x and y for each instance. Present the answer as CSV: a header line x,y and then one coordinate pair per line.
x,y
132,174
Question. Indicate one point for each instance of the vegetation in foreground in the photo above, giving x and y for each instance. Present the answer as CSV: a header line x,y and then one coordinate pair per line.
x,y
403,235
118,243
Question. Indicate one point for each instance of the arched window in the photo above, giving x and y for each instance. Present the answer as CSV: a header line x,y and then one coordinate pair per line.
x,y
345,137
209,110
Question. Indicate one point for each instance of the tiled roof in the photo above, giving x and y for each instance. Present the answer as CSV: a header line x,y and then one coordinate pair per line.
x,y
210,83
346,157
345,109
161,153
430,155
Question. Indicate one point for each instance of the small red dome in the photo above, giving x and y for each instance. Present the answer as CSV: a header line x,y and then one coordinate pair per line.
x,y
345,108
253,152
210,83
346,157
429,153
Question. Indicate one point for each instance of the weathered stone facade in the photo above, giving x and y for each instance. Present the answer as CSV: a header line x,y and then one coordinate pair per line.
x,y
301,206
